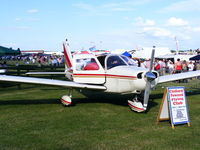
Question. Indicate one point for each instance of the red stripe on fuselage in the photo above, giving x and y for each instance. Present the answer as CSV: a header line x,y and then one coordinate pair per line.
x,y
111,75
105,75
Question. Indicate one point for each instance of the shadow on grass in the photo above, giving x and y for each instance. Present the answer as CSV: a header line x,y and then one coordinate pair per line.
x,y
29,102
116,101
76,101
57,101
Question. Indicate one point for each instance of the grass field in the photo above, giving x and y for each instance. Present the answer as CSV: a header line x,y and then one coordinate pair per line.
x,y
32,118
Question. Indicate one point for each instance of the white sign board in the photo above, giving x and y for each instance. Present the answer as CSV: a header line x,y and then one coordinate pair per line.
x,y
174,106
178,105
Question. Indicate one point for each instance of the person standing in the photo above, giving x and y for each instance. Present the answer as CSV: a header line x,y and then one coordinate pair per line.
x,y
162,67
178,66
184,69
190,66
170,67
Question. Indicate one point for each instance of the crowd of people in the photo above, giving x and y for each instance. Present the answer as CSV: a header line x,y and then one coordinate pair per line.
x,y
164,66
39,59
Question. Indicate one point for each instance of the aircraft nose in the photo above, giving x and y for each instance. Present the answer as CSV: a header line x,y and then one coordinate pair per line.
x,y
150,76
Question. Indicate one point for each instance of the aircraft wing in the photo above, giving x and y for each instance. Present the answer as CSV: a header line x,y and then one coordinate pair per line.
x,y
66,73
43,81
178,76
44,73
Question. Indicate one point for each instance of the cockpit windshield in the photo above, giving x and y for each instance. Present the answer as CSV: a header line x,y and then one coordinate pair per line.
x,y
115,60
128,60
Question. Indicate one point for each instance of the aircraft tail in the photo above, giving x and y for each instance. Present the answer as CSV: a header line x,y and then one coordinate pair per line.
x,y
68,60
67,55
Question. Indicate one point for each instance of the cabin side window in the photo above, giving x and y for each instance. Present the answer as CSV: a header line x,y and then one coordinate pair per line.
x,y
86,64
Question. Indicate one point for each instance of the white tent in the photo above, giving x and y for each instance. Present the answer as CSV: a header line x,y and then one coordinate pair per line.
x,y
146,52
175,57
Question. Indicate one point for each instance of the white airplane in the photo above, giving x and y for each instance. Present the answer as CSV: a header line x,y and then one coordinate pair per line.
x,y
2,70
108,74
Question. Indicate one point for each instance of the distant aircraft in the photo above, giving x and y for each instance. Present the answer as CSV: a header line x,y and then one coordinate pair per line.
x,y
2,70
108,74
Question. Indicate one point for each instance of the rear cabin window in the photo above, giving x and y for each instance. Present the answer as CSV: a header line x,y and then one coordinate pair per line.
x,y
86,64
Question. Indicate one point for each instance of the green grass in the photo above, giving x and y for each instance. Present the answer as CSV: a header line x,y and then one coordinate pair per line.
x,y
32,118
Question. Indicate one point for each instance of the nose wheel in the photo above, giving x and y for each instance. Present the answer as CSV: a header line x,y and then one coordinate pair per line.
x,y
136,105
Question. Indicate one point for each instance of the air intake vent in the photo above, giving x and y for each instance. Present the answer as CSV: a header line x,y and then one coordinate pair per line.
x,y
155,73
139,75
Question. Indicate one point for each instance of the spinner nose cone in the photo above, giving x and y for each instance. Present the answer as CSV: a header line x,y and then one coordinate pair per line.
x,y
150,76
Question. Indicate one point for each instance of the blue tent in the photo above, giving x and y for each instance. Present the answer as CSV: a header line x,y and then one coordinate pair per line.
x,y
197,57
127,54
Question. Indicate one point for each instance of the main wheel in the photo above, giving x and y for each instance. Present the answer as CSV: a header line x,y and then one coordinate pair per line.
x,y
66,100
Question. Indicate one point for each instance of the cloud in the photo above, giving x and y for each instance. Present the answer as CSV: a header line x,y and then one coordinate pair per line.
x,y
139,21
173,21
106,7
197,29
27,19
33,19
10,44
85,6
183,6
32,10
192,29
21,28
117,7
121,9
157,32
18,19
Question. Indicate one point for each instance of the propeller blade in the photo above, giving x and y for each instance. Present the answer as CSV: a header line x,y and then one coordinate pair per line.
x,y
150,77
152,59
146,94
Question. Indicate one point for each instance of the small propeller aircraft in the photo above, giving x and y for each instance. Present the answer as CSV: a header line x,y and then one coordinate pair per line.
x,y
2,70
106,74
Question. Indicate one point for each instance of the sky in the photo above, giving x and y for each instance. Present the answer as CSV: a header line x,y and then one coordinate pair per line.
x,y
106,24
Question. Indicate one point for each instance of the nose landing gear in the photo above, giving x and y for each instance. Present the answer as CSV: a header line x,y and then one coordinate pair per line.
x,y
136,105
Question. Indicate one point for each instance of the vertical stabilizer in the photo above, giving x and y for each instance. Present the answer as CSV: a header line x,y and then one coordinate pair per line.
x,y
68,60
67,55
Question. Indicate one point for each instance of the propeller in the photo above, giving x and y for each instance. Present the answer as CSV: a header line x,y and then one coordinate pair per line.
x,y
149,78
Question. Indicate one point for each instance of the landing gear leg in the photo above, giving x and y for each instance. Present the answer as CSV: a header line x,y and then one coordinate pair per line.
x,y
136,105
